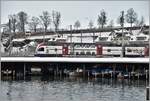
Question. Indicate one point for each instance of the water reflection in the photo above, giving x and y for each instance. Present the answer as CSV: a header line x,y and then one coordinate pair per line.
x,y
74,89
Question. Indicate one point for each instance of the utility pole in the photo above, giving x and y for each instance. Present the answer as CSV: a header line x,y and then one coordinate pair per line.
x,y
71,33
81,36
71,43
44,35
10,37
122,25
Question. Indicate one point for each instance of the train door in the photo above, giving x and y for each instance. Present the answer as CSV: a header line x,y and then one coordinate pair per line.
x,y
65,49
146,51
99,49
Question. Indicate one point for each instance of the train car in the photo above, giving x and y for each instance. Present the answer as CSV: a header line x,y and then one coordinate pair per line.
x,y
134,51
52,50
82,49
111,51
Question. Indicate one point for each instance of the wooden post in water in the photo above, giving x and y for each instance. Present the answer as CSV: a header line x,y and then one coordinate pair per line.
x,y
138,74
102,74
60,73
83,70
95,74
111,74
146,74
7,72
129,75
24,70
57,70
114,70
133,72
88,73
0,71
127,69
54,72
147,93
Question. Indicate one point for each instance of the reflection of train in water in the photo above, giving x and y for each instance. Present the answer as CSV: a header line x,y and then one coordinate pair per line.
x,y
89,49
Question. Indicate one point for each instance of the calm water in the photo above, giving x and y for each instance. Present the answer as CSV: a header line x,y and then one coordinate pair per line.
x,y
72,89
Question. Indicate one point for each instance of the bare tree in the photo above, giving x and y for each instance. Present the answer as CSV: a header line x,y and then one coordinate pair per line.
x,y
13,22
142,21
22,20
77,24
91,24
12,28
9,25
121,19
56,19
131,16
102,18
111,24
45,19
34,23
137,23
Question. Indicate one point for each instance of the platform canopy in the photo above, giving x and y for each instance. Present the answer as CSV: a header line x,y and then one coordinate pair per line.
x,y
75,60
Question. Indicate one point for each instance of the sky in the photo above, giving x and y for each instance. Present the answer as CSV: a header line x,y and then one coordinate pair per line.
x,y
71,11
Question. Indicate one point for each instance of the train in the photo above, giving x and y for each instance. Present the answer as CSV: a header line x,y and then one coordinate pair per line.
x,y
91,49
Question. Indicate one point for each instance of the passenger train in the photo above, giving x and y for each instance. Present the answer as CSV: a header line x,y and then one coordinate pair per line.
x,y
91,49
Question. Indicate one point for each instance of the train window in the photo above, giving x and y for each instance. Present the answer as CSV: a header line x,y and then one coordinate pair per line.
x,y
88,53
141,38
108,50
82,46
92,46
71,53
56,49
129,50
77,46
77,53
86,46
93,53
41,49
103,38
82,53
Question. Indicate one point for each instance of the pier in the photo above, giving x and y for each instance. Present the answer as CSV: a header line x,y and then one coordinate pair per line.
x,y
131,68
75,60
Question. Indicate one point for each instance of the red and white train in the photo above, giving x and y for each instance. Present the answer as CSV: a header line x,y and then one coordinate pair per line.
x,y
98,50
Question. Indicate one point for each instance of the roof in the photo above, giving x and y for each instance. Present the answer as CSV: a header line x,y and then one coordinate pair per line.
x,y
18,40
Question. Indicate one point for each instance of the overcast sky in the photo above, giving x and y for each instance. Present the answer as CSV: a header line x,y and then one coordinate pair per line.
x,y
75,10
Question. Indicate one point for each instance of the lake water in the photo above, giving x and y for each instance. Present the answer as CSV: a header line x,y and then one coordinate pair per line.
x,y
72,89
